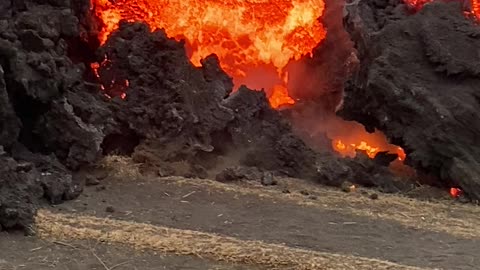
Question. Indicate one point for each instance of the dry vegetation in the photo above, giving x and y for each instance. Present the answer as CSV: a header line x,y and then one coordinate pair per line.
x,y
455,219
203,245
120,167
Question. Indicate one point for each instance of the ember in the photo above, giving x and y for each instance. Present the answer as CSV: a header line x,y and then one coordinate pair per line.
x,y
245,35
455,192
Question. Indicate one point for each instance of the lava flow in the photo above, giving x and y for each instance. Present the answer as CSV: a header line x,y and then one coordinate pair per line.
x,y
348,137
254,40
246,35
472,7
348,149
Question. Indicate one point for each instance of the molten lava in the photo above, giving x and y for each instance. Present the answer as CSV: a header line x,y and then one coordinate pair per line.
x,y
254,40
347,137
472,7
244,34
456,192
280,96
350,148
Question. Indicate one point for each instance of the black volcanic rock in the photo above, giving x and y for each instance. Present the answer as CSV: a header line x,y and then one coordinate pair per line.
x,y
24,185
265,138
418,83
10,124
361,170
171,106
50,124
179,112
45,88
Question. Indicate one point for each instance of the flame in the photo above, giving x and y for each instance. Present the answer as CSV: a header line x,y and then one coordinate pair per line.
x,y
244,34
474,6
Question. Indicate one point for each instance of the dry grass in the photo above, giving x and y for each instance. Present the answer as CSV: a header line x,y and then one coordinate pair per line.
x,y
120,167
454,219
203,245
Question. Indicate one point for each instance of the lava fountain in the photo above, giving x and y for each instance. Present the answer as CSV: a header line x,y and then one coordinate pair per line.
x,y
253,39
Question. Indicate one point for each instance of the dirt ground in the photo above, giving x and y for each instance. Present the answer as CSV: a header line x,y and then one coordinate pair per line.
x,y
200,223
19,252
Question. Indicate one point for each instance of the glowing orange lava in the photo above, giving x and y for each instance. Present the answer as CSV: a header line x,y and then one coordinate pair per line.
x,y
244,34
474,5
280,97
347,137
350,148
455,192
254,40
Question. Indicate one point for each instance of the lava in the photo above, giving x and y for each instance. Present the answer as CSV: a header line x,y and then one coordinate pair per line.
x,y
244,34
280,97
110,87
348,149
254,40
348,137
472,7
455,192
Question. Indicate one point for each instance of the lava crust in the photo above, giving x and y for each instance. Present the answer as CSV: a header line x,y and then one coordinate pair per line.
x,y
418,83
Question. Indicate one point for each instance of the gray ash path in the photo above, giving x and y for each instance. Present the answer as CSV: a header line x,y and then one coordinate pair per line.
x,y
249,217
28,253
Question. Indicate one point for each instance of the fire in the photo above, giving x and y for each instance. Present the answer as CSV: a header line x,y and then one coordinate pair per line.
x,y
244,34
473,9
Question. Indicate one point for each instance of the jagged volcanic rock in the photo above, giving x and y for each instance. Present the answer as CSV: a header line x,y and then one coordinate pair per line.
x,y
46,90
49,122
179,112
24,185
265,137
171,107
418,83
362,170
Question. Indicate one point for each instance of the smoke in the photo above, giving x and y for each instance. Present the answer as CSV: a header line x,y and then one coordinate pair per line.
x,y
324,74
259,77
317,83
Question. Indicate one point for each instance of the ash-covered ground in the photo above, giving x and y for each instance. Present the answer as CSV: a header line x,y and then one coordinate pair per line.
x,y
176,119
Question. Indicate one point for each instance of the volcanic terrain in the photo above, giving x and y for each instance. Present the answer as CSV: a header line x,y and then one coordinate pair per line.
x,y
269,134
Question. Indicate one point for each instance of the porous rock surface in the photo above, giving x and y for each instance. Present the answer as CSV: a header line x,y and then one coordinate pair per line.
x,y
49,123
179,112
418,83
